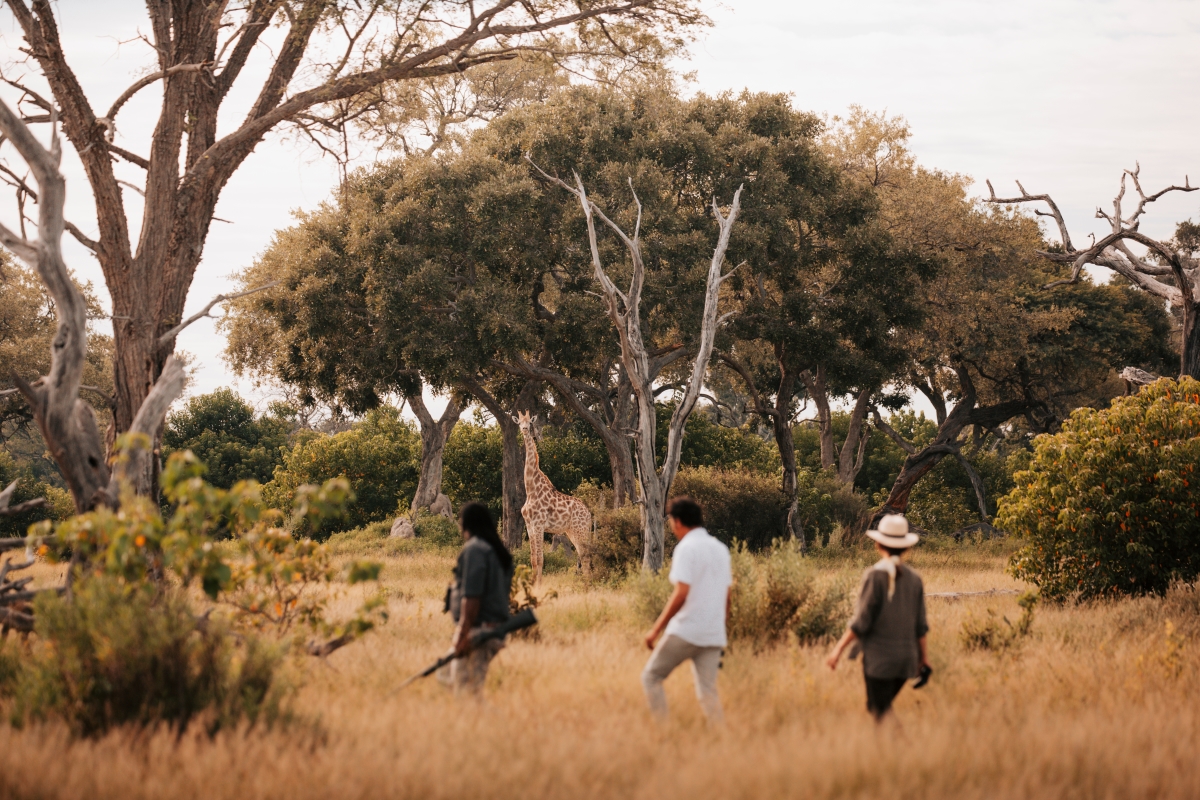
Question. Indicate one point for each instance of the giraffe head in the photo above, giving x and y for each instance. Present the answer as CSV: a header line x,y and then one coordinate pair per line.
x,y
528,425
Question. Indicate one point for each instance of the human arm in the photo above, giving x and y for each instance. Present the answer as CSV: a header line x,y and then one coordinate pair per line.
x,y
466,621
836,655
676,601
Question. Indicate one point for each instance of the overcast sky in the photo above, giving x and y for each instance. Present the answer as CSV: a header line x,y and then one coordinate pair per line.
x,y
1059,94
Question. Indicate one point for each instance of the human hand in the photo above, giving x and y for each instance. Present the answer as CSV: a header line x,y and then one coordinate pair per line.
x,y
833,659
650,639
462,646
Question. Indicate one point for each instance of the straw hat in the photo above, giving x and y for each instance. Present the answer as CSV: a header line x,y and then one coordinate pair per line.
x,y
893,532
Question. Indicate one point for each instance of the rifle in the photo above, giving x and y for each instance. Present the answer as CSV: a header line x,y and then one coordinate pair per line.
x,y
519,621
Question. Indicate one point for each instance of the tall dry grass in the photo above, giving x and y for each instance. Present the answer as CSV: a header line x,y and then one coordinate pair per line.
x,y
1098,702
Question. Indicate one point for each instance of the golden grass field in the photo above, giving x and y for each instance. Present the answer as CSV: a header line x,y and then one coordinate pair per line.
x,y
1099,702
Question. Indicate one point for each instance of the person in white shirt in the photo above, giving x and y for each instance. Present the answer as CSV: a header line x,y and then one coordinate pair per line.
x,y
692,625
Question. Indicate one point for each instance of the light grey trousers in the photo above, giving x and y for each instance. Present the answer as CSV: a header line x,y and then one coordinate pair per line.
x,y
669,654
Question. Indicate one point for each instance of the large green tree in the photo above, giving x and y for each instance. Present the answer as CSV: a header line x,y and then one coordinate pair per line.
x,y
473,272
223,431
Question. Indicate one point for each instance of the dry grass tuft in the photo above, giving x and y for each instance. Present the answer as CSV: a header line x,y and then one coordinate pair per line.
x,y
1097,701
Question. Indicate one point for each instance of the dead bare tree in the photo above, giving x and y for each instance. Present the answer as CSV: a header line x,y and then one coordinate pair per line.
x,y
201,50
1167,270
624,309
68,423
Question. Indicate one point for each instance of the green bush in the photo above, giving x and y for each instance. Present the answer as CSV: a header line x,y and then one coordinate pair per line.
x,y
59,503
616,544
738,504
473,466
778,592
379,456
1110,504
221,429
570,458
122,653
707,444
437,530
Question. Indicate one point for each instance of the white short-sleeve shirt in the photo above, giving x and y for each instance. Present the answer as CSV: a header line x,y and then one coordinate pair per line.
x,y
702,562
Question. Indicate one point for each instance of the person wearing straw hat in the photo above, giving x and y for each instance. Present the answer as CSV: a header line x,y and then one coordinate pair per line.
x,y
889,619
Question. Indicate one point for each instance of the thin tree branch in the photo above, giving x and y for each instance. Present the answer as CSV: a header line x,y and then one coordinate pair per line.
x,y
168,337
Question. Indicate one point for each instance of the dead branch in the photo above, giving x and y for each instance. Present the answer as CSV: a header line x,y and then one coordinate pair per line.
x,y
167,338
132,467
109,119
7,511
624,309
67,424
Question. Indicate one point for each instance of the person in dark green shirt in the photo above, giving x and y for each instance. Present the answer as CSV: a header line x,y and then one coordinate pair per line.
x,y
478,598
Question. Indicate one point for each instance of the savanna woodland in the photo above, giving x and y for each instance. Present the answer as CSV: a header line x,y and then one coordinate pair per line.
x,y
565,261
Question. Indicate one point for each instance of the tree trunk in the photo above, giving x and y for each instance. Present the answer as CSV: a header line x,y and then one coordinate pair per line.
x,y
815,382
1189,345
513,455
854,449
434,434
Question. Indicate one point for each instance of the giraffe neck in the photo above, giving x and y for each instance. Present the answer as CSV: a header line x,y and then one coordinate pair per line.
x,y
532,470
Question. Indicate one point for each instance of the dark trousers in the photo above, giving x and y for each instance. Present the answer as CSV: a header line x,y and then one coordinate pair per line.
x,y
881,692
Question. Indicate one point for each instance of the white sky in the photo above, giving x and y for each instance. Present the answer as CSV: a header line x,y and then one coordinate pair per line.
x,y
1059,94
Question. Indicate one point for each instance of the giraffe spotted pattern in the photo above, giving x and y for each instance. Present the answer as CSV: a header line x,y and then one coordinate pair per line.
x,y
548,510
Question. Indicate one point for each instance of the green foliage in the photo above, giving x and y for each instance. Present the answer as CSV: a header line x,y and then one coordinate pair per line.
x,y
650,592
437,530
616,544
130,653
264,579
379,457
707,444
472,466
989,634
59,503
737,504
1109,505
778,592
221,429
571,456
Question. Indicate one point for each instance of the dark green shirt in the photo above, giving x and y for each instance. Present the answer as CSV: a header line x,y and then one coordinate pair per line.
x,y
479,573
889,629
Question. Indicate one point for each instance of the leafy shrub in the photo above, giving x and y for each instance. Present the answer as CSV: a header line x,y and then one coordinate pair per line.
x,y
989,634
737,504
129,653
379,456
778,592
221,429
616,544
707,444
472,466
264,578
437,530
1110,504
650,593
59,503
569,458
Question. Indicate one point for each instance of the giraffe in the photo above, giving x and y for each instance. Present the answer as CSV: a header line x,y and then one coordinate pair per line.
x,y
548,510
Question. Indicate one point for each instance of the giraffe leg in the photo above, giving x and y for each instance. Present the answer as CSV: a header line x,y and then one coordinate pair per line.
x,y
535,550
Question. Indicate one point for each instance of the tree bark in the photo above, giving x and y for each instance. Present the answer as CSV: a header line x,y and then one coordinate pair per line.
x,y
434,434
919,462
